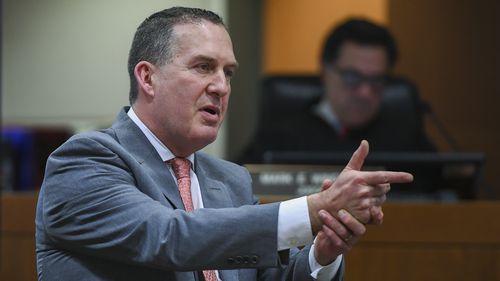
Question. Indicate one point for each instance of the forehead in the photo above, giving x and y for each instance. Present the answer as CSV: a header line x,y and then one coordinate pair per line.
x,y
203,39
367,58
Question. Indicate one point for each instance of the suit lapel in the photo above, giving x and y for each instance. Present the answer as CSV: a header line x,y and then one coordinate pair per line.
x,y
136,143
213,192
215,195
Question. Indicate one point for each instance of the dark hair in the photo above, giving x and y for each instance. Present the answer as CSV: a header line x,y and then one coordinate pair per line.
x,y
153,40
362,32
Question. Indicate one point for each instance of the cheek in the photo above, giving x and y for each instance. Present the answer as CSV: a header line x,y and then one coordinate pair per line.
x,y
376,104
184,99
342,97
224,103
337,92
177,110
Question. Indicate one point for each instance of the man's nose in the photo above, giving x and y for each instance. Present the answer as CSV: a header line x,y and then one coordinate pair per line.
x,y
220,84
365,90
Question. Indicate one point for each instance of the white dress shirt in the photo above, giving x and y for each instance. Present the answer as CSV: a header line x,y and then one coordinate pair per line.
x,y
325,112
294,226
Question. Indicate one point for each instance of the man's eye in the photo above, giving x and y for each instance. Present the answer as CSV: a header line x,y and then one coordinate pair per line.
x,y
229,73
203,67
351,77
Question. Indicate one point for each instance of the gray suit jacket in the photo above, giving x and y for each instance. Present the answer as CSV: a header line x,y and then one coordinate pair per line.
x,y
109,209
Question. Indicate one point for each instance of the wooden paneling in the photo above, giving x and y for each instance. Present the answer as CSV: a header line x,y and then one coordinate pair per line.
x,y
17,236
430,242
415,262
18,257
451,49
467,222
294,30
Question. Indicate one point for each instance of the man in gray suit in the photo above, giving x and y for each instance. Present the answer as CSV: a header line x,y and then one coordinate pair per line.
x,y
110,209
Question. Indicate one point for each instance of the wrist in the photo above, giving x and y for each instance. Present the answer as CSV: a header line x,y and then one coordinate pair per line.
x,y
313,206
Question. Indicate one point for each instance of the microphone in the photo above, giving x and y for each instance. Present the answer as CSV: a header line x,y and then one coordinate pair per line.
x,y
425,107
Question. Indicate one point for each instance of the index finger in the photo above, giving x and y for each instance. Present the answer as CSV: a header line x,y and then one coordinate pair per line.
x,y
380,177
358,157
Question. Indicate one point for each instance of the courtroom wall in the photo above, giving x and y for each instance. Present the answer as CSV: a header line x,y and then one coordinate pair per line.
x,y
64,63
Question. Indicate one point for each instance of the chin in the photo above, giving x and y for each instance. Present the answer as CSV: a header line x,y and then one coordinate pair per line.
x,y
206,135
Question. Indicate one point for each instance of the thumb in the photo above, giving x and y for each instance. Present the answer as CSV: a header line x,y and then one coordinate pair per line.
x,y
358,157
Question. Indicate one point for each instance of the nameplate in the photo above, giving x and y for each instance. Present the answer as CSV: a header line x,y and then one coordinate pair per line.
x,y
290,181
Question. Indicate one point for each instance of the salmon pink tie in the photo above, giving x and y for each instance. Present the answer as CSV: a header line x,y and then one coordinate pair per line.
x,y
182,168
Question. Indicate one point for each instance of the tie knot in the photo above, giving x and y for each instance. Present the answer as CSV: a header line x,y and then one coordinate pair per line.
x,y
181,167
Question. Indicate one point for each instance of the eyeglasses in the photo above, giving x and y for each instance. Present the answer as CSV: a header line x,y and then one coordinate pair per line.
x,y
354,79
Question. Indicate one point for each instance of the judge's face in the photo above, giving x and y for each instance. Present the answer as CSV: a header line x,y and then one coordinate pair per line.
x,y
191,91
354,82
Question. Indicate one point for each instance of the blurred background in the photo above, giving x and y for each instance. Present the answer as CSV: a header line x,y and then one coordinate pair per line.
x,y
64,71
448,48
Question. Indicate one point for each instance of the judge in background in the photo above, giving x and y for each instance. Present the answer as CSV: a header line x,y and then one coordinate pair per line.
x,y
356,61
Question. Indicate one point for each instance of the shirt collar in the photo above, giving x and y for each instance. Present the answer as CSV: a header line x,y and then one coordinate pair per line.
x,y
161,148
325,112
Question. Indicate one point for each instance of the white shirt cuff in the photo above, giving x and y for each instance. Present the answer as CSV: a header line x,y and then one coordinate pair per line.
x,y
320,272
294,226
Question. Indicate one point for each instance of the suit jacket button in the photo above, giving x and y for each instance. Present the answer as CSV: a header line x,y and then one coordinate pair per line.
x,y
254,259
239,259
246,259
230,260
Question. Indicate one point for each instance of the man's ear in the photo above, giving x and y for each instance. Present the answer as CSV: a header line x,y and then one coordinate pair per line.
x,y
143,72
